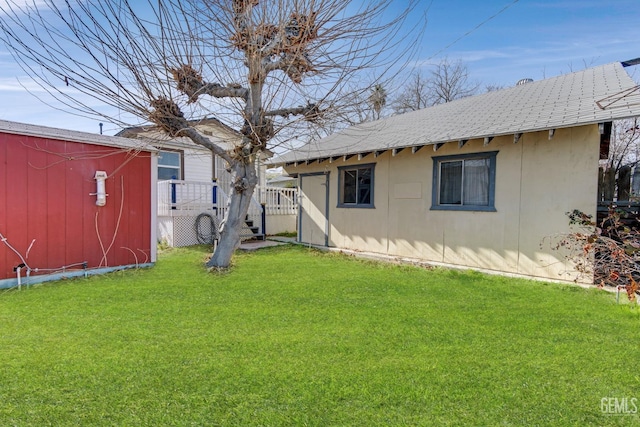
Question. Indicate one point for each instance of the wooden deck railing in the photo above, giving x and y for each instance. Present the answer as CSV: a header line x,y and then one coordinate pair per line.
x,y
185,198
191,198
281,201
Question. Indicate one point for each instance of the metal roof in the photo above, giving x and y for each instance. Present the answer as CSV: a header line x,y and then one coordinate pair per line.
x,y
594,95
71,135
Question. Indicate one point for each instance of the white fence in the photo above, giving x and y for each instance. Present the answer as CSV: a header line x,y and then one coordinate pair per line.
x,y
281,201
185,198
177,198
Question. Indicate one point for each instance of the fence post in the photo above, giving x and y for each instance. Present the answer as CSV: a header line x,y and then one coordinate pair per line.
x,y
609,184
214,195
601,184
624,183
173,194
264,220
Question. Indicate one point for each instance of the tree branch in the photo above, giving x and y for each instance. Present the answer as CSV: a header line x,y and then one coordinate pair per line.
x,y
295,65
311,112
191,83
230,91
202,140
167,116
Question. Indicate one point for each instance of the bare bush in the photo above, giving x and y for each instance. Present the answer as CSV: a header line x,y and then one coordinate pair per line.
x,y
608,251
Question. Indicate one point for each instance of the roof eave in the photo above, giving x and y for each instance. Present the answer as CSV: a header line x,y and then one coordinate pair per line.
x,y
435,144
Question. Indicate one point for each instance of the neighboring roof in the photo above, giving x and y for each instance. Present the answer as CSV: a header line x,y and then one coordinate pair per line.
x,y
280,179
590,96
207,126
74,136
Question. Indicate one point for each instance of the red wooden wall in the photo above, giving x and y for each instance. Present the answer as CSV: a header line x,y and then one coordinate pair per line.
x,y
44,195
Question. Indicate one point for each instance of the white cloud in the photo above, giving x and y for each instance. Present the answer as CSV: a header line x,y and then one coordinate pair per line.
x,y
15,84
23,3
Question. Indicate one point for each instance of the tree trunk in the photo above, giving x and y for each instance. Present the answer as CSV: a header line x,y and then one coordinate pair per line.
x,y
245,178
244,184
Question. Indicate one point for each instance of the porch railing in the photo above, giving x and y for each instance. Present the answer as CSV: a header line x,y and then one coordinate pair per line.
x,y
190,198
177,198
281,201
185,198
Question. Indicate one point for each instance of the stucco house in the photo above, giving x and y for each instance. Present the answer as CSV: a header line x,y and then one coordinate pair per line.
x,y
479,182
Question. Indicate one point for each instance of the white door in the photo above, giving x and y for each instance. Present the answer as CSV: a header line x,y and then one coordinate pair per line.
x,y
314,196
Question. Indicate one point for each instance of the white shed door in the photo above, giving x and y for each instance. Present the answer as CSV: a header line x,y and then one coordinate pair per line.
x,y
314,225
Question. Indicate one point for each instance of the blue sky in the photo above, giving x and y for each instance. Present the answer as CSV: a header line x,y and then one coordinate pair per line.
x,y
530,38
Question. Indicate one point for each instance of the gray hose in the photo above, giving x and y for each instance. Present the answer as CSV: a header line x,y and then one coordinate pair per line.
x,y
207,232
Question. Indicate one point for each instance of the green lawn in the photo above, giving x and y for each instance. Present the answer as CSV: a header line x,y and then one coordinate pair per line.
x,y
294,337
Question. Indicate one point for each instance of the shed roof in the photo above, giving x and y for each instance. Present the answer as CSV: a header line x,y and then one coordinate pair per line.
x,y
74,136
594,95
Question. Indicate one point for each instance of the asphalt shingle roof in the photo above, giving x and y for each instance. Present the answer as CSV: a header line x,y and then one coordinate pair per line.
x,y
559,102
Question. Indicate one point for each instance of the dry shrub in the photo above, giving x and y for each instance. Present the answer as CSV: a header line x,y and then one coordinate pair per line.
x,y
609,250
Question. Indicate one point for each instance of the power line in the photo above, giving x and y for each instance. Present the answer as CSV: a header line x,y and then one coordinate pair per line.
x,y
472,30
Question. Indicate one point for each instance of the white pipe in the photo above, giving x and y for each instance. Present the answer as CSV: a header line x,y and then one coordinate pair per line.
x,y
18,274
618,292
101,193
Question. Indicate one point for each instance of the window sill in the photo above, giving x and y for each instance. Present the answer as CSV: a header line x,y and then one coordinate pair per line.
x,y
347,206
464,208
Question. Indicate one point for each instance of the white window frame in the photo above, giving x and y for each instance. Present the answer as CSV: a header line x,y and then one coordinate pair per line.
x,y
179,169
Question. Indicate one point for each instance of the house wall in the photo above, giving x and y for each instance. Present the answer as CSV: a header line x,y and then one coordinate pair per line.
x,y
179,230
46,209
537,181
281,224
197,162
198,165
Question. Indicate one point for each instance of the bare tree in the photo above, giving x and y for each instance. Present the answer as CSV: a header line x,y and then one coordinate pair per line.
x,y
358,105
625,144
448,81
413,96
493,87
270,69
623,155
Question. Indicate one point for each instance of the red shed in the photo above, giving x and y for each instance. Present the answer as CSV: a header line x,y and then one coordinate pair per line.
x,y
73,203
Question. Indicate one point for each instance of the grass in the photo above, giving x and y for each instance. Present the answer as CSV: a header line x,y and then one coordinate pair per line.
x,y
287,234
294,337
